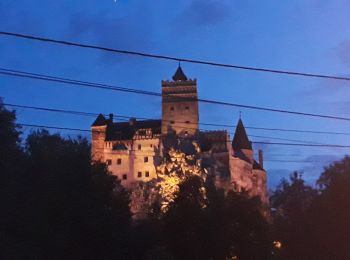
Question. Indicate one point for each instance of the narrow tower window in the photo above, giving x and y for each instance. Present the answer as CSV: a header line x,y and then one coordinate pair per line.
x,y
147,174
139,147
119,161
145,159
139,174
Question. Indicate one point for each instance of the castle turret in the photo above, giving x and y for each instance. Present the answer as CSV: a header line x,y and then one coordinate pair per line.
x,y
98,132
241,143
180,105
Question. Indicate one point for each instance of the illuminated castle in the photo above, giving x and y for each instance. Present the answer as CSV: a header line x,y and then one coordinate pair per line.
x,y
133,149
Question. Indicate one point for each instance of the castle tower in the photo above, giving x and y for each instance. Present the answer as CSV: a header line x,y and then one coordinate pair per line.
x,y
98,132
241,143
180,105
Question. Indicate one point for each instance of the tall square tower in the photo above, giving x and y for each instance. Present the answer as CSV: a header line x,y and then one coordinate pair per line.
x,y
180,105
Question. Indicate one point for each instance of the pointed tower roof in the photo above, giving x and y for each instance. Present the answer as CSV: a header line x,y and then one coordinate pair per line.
x,y
179,74
100,120
240,139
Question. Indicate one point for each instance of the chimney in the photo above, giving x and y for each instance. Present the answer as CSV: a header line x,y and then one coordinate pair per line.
x,y
261,158
111,118
132,121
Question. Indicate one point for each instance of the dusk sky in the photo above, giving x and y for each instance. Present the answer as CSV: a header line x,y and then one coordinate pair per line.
x,y
308,36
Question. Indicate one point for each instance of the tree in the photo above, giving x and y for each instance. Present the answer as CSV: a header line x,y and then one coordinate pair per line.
x,y
212,224
10,149
291,202
329,215
64,207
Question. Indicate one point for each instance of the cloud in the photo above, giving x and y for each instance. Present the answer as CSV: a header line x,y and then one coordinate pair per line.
x,y
124,32
274,177
203,14
343,52
313,170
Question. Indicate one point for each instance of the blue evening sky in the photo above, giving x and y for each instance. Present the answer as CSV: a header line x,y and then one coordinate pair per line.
x,y
302,35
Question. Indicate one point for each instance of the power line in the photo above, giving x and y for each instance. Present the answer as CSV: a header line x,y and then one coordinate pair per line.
x,y
267,143
296,161
284,139
80,113
22,74
172,58
309,145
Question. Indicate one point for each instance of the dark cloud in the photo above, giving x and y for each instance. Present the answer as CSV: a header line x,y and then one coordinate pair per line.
x,y
114,32
315,166
203,14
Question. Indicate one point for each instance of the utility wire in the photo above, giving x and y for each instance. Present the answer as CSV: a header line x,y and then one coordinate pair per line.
x,y
310,145
80,113
267,143
90,114
142,92
171,58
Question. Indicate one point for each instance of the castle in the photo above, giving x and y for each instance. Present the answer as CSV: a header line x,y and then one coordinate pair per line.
x,y
133,149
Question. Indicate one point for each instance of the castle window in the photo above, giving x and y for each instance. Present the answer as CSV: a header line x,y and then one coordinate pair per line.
x,y
187,122
142,132
125,176
147,174
109,162
119,161
145,159
187,108
172,122
139,147
139,174
151,145
171,108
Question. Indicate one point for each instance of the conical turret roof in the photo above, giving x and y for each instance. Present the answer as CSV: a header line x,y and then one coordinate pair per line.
x,y
179,75
240,139
100,120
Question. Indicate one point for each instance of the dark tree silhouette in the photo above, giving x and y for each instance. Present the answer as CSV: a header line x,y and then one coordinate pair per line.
x,y
215,225
291,202
62,206
329,215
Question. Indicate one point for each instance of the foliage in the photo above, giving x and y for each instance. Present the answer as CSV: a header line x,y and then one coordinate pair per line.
x,y
228,225
291,202
55,204
182,160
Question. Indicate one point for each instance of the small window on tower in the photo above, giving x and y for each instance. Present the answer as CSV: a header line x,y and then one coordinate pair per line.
x,y
109,162
139,174
171,108
187,122
125,176
119,161
145,159
187,108
139,147
172,122
147,174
